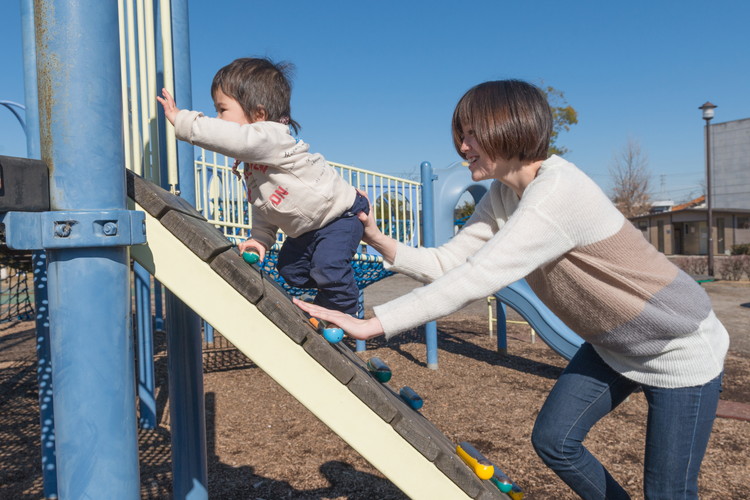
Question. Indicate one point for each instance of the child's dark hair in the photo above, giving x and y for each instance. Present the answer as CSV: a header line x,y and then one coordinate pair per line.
x,y
258,84
510,119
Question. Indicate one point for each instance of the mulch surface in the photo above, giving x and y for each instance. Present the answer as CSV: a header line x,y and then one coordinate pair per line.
x,y
263,444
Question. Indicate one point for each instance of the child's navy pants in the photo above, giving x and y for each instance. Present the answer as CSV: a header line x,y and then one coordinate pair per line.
x,y
322,259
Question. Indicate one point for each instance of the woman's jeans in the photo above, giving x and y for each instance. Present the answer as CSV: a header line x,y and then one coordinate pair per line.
x,y
677,432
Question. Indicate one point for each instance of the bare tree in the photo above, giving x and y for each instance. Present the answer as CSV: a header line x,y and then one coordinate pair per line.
x,y
630,180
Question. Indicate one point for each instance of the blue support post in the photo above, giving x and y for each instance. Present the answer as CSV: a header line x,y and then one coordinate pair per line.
x,y
44,376
13,107
184,94
89,296
360,345
184,343
158,307
187,415
208,333
31,95
145,335
39,264
502,327
428,240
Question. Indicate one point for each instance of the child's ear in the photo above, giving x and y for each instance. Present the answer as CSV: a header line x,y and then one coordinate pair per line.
x,y
260,115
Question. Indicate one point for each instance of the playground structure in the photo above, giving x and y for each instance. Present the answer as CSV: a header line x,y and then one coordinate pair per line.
x,y
327,378
221,199
80,259
406,211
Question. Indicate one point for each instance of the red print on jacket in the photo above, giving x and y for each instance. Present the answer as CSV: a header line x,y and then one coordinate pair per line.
x,y
278,195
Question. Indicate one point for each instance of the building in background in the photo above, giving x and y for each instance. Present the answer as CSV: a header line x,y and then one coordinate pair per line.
x,y
731,164
681,229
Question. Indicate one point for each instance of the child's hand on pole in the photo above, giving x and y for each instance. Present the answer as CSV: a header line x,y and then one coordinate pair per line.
x,y
170,107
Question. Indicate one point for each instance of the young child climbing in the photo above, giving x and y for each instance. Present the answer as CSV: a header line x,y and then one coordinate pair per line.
x,y
289,187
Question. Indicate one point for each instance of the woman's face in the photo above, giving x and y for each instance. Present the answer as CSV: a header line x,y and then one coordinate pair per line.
x,y
480,164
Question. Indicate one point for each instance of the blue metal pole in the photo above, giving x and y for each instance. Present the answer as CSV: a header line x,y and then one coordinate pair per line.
x,y
428,240
44,376
184,343
31,94
502,327
183,94
144,333
208,333
12,108
161,122
89,295
145,336
360,345
187,415
158,306
39,264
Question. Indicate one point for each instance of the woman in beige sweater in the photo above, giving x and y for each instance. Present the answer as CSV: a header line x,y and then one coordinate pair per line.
x,y
646,324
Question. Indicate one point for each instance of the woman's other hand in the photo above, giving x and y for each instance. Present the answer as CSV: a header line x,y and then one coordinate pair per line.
x,y
360,329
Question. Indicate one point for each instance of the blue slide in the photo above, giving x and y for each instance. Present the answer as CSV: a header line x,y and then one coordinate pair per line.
x,y
554,332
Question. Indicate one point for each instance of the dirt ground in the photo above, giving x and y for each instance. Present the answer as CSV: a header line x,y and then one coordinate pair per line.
x,y
262,444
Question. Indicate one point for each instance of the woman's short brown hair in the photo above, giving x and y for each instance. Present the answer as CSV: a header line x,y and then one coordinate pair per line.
x,y
510,119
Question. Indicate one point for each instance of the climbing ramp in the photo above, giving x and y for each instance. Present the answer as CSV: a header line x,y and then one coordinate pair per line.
x,y
194,260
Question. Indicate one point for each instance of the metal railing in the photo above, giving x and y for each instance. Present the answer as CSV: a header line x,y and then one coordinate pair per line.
x,y
220,197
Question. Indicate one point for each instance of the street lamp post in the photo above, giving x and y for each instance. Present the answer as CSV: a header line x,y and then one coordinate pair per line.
x,y
708,114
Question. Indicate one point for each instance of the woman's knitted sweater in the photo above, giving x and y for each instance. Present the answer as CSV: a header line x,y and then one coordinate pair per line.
x,y
646,318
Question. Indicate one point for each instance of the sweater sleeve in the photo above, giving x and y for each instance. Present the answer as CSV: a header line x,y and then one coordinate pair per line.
x,y
529,239
262,230
428,264
265,143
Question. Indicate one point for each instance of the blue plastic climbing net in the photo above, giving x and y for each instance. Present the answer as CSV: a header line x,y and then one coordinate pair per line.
x,y
368,269
15,297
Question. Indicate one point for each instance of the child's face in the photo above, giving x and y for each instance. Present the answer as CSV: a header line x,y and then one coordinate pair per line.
x,y
229,109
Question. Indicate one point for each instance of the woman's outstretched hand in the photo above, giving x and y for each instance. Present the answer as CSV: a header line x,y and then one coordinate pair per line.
x,y
360,329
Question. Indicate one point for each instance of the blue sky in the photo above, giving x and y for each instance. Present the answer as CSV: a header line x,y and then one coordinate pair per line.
x,y
376,82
